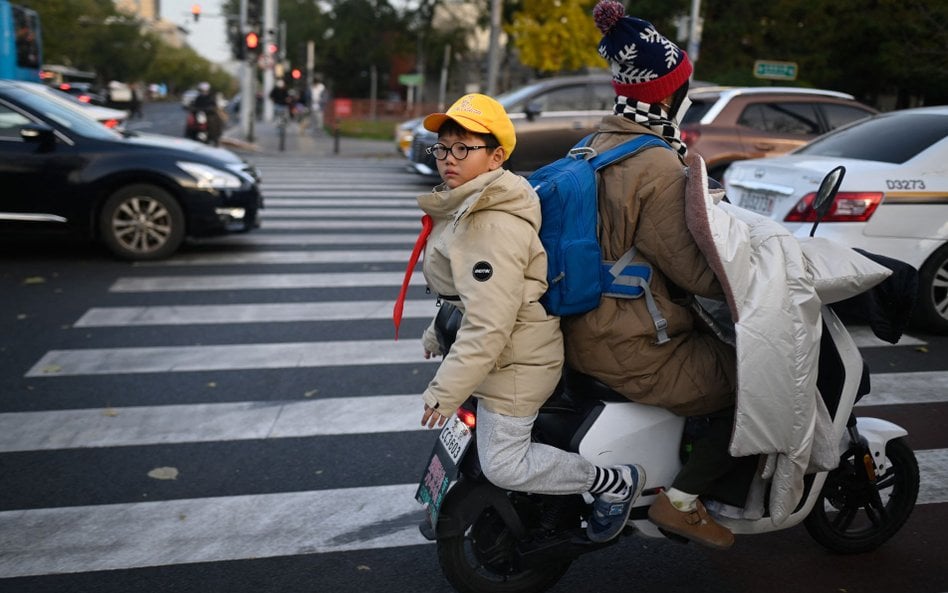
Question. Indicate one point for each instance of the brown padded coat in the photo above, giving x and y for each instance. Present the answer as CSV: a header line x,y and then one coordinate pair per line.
x,y
642,201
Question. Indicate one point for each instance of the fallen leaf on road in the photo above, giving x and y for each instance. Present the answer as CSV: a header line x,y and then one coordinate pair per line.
x,y
110,412
53,368
922,349
311,393
164,473
363,567
34,280
212,384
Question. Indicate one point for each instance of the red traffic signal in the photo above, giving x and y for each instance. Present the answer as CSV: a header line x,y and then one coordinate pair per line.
x,y
296,74
253,40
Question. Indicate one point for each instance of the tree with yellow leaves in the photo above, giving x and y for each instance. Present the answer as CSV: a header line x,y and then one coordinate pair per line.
x,y
556,35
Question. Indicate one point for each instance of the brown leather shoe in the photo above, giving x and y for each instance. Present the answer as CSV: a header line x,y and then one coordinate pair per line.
x,y
695,525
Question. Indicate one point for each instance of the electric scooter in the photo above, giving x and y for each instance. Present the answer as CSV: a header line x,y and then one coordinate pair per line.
x,y
491,540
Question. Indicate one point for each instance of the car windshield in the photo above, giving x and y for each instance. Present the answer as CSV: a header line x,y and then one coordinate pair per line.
x,y
63,113
892,138
516,96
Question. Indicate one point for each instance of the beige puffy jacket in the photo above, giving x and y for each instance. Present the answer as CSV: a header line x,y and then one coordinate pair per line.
x,y
485,255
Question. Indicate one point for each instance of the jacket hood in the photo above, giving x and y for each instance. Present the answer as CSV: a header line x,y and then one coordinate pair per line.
x,y
499,190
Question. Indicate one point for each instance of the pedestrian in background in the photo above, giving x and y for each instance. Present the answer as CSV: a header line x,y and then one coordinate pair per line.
x,y
317,105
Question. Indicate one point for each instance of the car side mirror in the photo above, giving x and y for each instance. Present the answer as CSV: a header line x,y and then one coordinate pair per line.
x,y
532,110
40,134
826,194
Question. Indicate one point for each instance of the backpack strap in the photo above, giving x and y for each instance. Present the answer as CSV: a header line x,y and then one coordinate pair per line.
x,y
625,150
630,281
623,278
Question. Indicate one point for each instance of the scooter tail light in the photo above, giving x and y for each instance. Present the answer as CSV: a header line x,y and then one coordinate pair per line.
x,y
467,417
847,207
111,123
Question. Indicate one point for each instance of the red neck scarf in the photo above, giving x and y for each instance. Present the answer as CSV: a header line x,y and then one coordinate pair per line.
x,y
426,224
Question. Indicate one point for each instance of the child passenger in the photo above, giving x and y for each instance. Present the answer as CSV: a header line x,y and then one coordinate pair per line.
x,y
485,256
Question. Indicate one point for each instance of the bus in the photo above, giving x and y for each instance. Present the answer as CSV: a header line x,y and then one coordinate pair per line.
x,y
21,42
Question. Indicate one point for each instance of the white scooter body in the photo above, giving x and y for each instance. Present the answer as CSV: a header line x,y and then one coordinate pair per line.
x,y
628,432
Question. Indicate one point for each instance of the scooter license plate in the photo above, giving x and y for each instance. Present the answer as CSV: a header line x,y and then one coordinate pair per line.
x,y
443,468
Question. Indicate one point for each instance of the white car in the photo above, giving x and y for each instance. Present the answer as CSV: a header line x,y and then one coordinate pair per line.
x,y
893,200
110,118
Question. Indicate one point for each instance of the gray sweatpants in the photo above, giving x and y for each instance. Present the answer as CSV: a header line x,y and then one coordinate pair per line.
x,y
511,461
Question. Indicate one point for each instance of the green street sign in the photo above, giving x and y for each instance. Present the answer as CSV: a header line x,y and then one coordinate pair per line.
x,y
411,79
775,70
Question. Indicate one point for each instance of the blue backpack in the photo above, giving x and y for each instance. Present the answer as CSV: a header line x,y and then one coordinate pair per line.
x,y
577,275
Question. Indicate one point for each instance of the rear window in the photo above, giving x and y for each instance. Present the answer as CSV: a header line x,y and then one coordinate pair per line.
x,y
781,118
888,139
839,115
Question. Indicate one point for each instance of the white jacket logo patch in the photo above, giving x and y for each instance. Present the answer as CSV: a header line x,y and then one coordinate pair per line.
x,y
483,271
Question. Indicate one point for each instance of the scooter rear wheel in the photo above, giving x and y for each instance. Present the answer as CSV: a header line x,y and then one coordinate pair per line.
x,y
483,558
853,515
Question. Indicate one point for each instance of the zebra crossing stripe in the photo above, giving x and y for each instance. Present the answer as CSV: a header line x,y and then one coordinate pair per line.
x,y
267,214
175,359
251,313
162,533
407,239
342,192
122,536
906,388
348,202
864,338
162,425
302,225
360,256
231,421
262,281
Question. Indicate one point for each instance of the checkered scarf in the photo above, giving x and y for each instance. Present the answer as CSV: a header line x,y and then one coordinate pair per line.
x,y
654,117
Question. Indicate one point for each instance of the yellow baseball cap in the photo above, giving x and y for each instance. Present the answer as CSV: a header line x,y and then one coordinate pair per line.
x,y
480,114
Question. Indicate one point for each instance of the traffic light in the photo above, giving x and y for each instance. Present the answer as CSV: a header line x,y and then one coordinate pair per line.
x,y
254,12
252,42
196,12
296,74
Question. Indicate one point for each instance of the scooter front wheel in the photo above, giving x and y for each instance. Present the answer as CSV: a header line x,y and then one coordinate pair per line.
x,y
483,558
853,514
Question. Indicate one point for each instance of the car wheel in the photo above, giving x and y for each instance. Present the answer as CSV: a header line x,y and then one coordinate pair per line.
x,y
931,310
142,222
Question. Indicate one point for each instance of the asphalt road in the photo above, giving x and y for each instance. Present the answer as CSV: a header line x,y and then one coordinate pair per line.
x,y
178,427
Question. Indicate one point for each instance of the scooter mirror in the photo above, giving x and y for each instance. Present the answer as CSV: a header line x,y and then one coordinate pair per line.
x,y
826,194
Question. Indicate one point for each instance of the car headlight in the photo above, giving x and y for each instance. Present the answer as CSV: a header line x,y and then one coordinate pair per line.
x,y
208,177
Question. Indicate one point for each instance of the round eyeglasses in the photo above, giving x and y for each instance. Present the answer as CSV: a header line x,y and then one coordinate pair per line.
x,y
459,150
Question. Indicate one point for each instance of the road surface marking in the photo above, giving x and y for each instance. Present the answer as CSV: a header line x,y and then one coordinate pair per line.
x,y
252,313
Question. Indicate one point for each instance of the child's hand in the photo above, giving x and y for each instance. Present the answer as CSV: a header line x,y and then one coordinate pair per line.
x,y
428,354
432,417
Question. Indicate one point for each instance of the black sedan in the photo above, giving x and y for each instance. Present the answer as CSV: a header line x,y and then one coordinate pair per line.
x,y
139,194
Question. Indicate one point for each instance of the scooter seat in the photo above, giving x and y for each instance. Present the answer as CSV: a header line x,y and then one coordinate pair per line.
x,y
581,386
